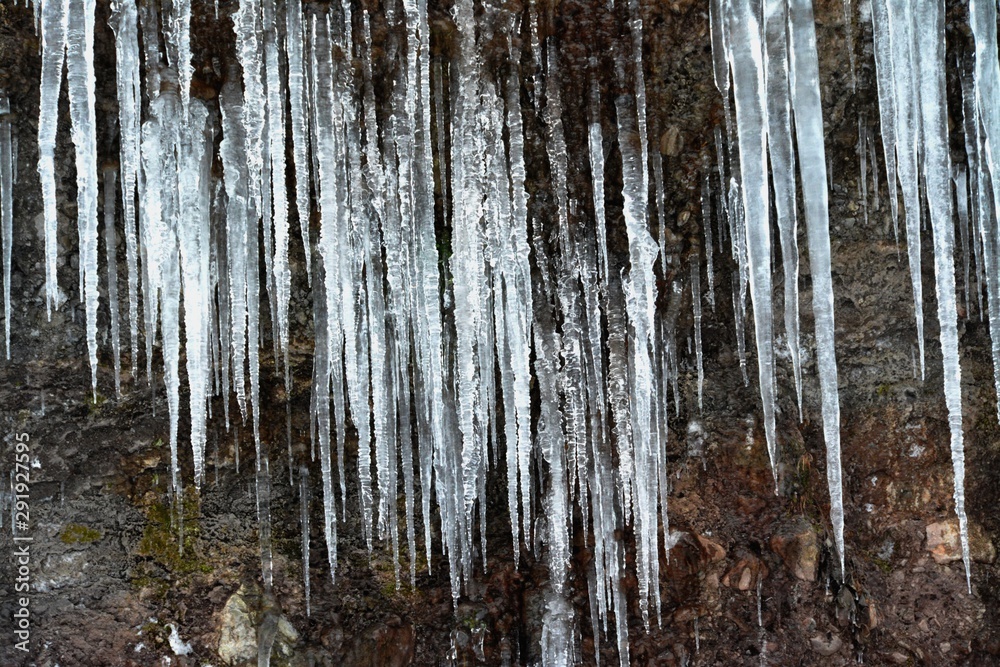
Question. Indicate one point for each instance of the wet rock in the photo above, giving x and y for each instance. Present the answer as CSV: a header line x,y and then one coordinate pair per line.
x,y
826,646
238,635
945,544
711,552
670,142
798,547
745,575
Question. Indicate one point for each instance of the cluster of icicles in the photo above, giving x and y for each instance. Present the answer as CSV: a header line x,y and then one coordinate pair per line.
x,y
410,357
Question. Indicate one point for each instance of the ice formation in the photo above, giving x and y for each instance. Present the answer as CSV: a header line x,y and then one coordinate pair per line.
x,y
460,321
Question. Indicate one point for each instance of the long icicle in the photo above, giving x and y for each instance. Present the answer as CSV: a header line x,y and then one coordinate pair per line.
x,y
812,164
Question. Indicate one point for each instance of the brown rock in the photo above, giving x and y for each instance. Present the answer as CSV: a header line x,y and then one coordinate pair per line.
x,y
711,551
826,646
945,544
670,142
799,549
744,576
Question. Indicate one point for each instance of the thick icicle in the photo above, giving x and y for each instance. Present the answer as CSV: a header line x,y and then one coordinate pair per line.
x,y
746,60
299,108
53,35
900,33
275,99
984,120
80,85
808,114
640,299
124,21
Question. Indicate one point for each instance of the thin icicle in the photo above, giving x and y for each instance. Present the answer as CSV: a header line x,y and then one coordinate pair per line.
x,y
706,225
111,256
886,102
779,143
696,304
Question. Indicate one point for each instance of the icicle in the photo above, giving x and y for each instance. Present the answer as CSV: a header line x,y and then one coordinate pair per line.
x,y
325,305
111,255
900,30
275,100
779,143
263,479
985,120
962,197
696,304
7,177
977,189
849,38
80,85
194,162
886,102
862,149
236,181
706,224
180,41
640,298
516,303
748,79
53,35
298,103
808,115
467,146
124,23
304,493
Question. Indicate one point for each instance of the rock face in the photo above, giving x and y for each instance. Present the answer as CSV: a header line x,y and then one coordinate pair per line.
x,y
115,582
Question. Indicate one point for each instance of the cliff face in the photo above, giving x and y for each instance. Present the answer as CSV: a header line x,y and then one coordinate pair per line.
x,y
750,576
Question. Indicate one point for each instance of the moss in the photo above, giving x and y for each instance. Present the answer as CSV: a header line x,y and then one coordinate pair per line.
x,y
883,565
76,533
95,402
160,537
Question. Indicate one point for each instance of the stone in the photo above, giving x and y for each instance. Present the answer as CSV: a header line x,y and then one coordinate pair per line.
x,y
670,142
798,547
237,632
945,544
744,576
826,646
711,551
